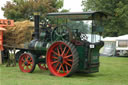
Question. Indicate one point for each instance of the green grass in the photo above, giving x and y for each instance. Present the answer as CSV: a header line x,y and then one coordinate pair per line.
x,y
113,71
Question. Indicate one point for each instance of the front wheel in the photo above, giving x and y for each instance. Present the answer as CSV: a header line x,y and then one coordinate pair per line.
x,y
62,59
27,62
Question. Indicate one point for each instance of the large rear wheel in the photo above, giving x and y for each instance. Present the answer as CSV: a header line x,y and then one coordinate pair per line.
x,y
27,62
62,59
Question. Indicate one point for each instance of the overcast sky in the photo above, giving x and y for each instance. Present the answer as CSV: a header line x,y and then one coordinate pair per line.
x,y
2,2
72,5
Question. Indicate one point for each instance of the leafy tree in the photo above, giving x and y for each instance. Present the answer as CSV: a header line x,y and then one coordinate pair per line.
x,y
23,9
117,24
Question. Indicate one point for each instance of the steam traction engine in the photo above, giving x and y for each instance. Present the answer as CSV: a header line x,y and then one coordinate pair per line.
x,y
61,48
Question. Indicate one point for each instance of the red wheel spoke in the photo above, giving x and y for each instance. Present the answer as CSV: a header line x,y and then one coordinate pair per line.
x,y
63,51
69,60
66,68
26,58
55,53
29,62
54,57
22,60
61,48
68,56
57,66
59,69
68,64
58,51
62,68
54,62
67,52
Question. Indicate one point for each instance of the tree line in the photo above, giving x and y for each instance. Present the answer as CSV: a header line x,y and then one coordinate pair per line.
x,y
115,26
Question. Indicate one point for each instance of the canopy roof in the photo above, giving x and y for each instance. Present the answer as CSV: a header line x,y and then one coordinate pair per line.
x,y
77,15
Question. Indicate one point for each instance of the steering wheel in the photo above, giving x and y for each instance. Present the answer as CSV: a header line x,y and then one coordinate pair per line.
x,y
61,32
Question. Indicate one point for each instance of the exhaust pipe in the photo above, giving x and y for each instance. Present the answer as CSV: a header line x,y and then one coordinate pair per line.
x,y
36,24
36,44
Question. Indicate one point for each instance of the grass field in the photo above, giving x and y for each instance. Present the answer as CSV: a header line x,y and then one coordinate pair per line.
x,y
113,71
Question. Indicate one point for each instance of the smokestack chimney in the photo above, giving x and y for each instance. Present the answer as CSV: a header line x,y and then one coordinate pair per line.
x,y
36,24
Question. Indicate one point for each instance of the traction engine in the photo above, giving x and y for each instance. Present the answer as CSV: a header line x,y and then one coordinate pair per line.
x,y
62,48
